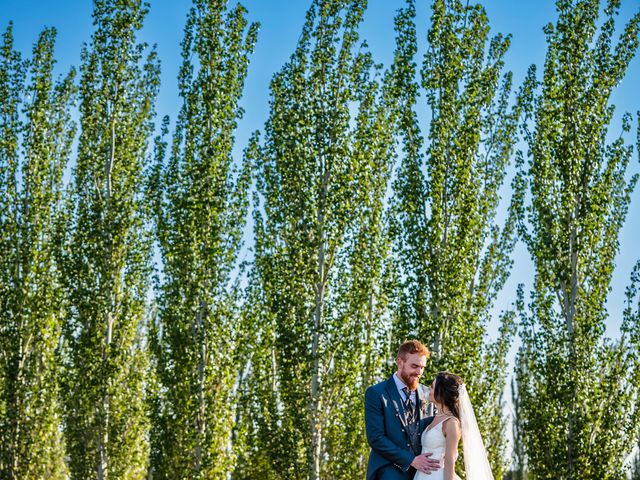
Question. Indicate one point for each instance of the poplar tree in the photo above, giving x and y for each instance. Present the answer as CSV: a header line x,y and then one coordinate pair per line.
x,y
323,170
35,143
578,389
107,257
631,336
452,254
518,469
200,201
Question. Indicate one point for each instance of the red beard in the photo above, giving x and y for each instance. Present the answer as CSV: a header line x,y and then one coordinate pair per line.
x,y
410,381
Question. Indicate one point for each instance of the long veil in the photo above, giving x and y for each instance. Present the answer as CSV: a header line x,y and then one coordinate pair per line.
x,y
476,463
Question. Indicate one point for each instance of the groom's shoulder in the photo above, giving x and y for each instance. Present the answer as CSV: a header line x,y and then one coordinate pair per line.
x,y
379,387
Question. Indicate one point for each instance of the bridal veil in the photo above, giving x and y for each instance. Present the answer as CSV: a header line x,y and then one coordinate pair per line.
x,y
476,463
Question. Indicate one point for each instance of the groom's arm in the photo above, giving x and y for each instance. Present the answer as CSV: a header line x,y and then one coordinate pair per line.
x,y
374,423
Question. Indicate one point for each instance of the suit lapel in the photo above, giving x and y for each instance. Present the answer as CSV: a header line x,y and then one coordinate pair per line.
x,y
423,402
394,396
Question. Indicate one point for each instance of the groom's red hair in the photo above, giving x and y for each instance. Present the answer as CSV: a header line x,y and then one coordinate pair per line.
x,y
410,347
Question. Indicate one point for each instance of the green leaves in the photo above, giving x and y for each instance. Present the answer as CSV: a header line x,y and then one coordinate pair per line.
x,y
323,170
200,199
579,198
36,141
453,257
251,361
106,263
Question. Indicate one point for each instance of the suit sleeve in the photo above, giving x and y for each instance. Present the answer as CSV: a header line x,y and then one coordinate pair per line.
x,y
378,440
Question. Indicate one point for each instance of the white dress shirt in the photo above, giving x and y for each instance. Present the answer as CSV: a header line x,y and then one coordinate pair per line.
x,y
400,385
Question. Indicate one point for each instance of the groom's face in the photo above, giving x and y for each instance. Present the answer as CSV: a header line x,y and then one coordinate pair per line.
x,y
410,369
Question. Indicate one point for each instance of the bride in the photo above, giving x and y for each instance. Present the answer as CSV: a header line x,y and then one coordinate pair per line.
x,y
455,420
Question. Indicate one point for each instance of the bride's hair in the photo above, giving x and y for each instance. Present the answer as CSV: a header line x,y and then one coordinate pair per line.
x,y
446,391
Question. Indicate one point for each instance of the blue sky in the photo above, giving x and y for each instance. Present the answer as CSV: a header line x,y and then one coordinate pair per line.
x,y
281,22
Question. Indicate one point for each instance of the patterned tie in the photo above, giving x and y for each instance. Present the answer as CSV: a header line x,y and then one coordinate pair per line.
x,y
409,408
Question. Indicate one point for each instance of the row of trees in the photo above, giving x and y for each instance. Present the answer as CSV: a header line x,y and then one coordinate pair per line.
x,y
370,226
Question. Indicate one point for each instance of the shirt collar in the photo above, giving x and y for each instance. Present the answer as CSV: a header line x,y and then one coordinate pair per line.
x,y
400,385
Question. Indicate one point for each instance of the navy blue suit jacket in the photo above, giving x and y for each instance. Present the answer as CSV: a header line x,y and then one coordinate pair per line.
x,y
391,454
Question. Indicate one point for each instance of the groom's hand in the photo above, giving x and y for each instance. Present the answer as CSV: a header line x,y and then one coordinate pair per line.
x,y
424,464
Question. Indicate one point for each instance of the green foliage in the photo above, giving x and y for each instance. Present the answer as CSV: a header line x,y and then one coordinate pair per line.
x,y
323,170
200,203
36,135
351,257
568,373
452,257
519,463
106,263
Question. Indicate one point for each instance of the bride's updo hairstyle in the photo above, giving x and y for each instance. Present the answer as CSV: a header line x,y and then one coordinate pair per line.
x,y
446,391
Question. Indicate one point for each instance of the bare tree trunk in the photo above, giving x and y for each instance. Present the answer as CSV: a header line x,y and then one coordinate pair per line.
x,y
316,404
200,417
316,428
570,314
103,437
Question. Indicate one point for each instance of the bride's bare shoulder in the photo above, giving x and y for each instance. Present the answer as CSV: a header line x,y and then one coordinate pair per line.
x,y
451,425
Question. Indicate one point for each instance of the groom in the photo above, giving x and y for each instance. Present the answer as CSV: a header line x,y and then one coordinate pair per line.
x,y
396,412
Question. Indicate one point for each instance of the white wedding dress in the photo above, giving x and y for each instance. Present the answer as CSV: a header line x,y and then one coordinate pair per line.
x,y
433,440
476,462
